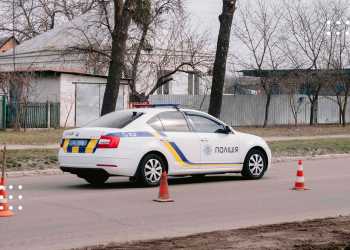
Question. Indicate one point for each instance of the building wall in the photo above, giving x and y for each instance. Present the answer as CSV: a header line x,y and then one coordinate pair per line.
x,y
44,89
67,95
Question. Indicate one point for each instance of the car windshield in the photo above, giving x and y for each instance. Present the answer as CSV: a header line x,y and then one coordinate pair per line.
x,y
118,119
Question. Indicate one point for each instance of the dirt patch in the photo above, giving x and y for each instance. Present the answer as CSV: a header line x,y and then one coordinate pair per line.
x,y
331,233
20,160
31,137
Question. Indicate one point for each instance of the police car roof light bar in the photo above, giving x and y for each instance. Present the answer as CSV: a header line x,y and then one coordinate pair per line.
x,y
177,106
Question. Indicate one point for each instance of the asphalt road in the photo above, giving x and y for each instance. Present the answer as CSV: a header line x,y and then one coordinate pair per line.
x,y
60,212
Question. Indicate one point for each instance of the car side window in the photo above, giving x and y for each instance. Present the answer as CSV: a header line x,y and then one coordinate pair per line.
x,y
156,124
173,121
203,124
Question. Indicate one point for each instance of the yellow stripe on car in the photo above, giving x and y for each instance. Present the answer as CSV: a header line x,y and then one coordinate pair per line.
x,y
91,146
65,145
75,150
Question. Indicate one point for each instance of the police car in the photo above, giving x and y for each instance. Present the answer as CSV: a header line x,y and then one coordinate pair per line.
x,y
141,143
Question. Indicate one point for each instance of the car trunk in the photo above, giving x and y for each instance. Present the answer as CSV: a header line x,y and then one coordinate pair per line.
x,y
84,140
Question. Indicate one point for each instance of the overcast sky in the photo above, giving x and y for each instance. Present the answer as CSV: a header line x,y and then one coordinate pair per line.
x,y
204,14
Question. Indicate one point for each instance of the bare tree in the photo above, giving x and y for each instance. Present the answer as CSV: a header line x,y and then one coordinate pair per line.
x,y
341,89
306,26
33,17
183,51
292,84
123,11
149,20
223,44
336,56
18,86
258,30
160,44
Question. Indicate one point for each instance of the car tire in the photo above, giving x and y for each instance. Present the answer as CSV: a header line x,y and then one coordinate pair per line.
x,y
255,165
96,180
150,170
198,176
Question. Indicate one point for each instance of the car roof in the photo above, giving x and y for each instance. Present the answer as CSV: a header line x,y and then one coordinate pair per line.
x,y
157,110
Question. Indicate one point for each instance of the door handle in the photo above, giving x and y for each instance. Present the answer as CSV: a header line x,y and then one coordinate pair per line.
x,y
204,140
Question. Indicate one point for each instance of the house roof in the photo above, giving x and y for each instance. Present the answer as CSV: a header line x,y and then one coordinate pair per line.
x,y
124,81
4,40
49,50
285,72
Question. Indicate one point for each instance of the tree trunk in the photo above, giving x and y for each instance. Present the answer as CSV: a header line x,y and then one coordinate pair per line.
x,y
136,61
228,10
313,111
122,21
345,108
267,108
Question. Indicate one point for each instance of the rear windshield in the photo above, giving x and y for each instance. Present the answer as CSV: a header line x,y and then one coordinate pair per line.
x,y
118,119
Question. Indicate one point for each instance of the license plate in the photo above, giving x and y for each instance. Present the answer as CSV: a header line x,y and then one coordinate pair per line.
x,y
78,143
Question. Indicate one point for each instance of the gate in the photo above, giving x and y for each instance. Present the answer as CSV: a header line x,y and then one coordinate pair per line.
x,y
89,98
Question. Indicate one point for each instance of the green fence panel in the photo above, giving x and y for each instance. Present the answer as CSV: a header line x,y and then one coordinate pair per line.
x,y
33,115
54,115
2,112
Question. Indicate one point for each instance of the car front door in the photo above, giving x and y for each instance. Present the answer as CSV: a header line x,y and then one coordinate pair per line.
x,y
219,147
182,143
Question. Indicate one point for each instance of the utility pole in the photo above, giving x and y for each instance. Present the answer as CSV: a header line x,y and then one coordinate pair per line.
x,y
13,36
223,44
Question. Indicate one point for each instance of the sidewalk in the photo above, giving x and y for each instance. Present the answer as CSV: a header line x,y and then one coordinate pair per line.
x,y
268,139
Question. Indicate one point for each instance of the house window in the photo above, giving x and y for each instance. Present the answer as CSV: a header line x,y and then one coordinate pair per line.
x,y
193,84
165,88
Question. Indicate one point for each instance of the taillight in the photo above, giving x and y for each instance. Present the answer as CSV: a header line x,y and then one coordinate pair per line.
x,y
108,141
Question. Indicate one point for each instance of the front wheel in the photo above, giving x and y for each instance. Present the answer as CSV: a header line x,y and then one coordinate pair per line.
x,y
255,165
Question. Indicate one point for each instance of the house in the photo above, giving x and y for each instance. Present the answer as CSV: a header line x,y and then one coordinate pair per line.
x,y
7,43
54,72
186,83
79,94
44,72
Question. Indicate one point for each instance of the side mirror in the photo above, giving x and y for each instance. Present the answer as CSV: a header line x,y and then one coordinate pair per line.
x,y
225,130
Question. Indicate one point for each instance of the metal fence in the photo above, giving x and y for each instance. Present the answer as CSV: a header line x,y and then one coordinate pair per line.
x,y
33,115
248,110
2,112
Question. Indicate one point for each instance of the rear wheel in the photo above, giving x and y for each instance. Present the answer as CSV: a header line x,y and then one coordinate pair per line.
x,y
96,180
255,165
150,170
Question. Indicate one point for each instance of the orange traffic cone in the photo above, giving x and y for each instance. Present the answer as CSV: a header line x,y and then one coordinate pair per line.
x,y
4,206
163,189
299,184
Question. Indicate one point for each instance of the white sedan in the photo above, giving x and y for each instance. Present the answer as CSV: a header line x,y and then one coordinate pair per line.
x,y
141,143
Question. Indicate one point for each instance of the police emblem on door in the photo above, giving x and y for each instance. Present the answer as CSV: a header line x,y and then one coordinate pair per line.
x,y
207,149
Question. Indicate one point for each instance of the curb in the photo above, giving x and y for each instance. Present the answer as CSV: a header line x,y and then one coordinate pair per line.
x,y
274,160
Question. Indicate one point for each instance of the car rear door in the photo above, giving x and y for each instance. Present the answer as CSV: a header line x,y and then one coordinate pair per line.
x,y
218,149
